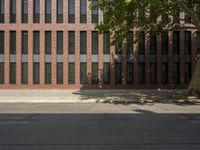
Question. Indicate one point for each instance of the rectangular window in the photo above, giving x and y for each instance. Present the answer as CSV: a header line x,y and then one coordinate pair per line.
x,y
24,41
71,42
47,42
95,43
106,42
164,42
1,11
118,48
12,73
176,39
95,12
83,11
36,73
2,42
106,73
176,76
164,73
36,42
12,42
59,73
47,73
153,44
24,11
141,67
59,11
83,42
12,11
71,11
60,42
142,44
24,73
118,72
1,73
83,73
187,69
47,11
188,42
187,17
176,17
71,73
130,43
198,42
36,11
130,73
153,73
94,73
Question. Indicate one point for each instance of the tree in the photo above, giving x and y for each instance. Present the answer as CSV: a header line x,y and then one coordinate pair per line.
x,y
149,16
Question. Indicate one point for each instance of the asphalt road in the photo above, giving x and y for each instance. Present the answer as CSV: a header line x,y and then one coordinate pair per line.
x,y
142,130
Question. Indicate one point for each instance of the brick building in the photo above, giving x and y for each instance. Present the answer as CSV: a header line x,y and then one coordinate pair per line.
x,y
53,44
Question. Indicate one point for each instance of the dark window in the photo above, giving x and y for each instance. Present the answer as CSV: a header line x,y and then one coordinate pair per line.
x,y
176,17
94,73
71,42
12,42
164,73
106,42
59,42
47,42
24,11
130,73
83,42
187,68
1,42
47,73
187,17
176,77
142,44
95,12
164,41
130,43
198,42
141,73
12,74
176,46
71,11
153,44
36,42
95,43
153,73
83,73
118,48
106,73
12,11
36,11
47,11
24,42
59,11
187,42
71,73
59,73
24,73
1,11
1,73
36,73
118,73
83,11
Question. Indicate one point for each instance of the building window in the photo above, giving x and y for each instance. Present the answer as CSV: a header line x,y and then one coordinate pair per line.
x,y
47,11
176,37
59,11
129,73
142,44
164,42
1,42
24,42
106,43
59,42
24,73
12,42
59,73
188,19
198,42
71,42
95,12
106,73
36,73
36,11
153,73
47,42
83,73
153,44
1,11
141,67
95,43
12,11
83,11
47,73
71,11
12,74
71,73
130,43
176,76
118,72
24,11
187,42
164,72
36,42
187,69
176,17
94,73
83,42
1,73
118,48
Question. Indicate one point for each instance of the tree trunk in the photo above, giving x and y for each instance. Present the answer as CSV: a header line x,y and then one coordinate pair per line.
x,y
194,87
